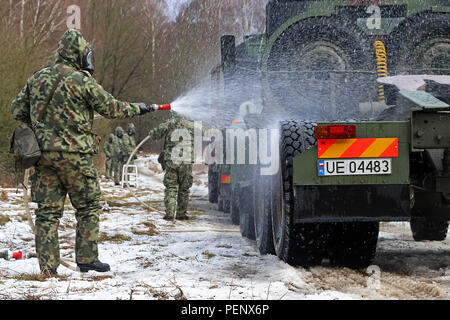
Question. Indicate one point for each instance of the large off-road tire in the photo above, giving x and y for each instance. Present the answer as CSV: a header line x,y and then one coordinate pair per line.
x,y
234,205
353,244
223,205
424,229
246,223
318,61
213,185
421,45
297,244
263,214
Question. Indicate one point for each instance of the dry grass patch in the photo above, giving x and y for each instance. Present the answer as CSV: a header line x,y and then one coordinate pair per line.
x,y
99,278
208,254
4,196
4,219
117,238
150,231
35,277
22,217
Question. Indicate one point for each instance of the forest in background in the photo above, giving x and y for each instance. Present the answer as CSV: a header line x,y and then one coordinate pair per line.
x,y
144,52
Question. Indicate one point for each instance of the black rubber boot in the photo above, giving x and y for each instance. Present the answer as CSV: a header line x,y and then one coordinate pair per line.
x,y
96,266
182,217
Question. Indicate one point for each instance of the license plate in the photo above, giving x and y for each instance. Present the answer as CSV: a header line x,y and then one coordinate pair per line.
x,y
356,167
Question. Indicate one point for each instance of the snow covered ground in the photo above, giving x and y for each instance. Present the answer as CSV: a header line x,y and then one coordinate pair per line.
x,y
206,257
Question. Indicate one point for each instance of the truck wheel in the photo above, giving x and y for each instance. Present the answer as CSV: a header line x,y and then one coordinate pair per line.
x,y
224,205
262,214
313,56
353,244
424,229
297,244
246,223
213,183
234,206
421,43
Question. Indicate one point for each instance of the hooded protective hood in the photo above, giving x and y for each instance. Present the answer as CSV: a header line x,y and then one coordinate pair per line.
x,y
72,48
119,131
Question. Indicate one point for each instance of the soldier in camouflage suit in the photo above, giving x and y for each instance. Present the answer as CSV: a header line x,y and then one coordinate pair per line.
x,y
178,177
68,145
119,150
130,140
109,153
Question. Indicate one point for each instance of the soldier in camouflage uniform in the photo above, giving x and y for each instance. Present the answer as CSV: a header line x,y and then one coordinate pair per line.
x,y
178,176
119,150
130,140
68,144
108,150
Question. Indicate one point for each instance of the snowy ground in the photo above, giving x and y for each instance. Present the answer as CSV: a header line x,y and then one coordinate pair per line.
x,y
206,257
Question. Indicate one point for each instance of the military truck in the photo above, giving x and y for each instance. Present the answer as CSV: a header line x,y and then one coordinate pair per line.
x,y
355,148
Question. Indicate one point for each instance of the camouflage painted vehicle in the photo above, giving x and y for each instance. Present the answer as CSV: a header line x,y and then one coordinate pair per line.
x,y
353,152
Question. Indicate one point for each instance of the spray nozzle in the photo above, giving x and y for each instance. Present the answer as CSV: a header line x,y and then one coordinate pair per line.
x,y
161,107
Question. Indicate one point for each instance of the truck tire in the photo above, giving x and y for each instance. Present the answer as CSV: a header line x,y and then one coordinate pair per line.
x,y
353,244
421,42
246,223
223,205
234,205
311,51
213,185
424,229
262,214
296,244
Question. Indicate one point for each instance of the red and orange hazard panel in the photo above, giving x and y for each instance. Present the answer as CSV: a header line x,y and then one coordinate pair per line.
x,y
358,148
226,179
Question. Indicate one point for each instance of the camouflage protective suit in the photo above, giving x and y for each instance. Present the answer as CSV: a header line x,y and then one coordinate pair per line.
x,y
119,150
68,144
178,177
130,140
109,153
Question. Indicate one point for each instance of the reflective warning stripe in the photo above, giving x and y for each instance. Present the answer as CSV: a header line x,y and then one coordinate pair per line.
x,y
358,148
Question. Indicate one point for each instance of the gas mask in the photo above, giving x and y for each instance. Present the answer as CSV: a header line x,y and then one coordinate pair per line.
x,y
132,132
88,62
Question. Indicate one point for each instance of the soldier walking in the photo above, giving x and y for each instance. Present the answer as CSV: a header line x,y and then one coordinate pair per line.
x,y
67,95
178,176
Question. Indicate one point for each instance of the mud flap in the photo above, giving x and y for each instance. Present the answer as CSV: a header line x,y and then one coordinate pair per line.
x,y
347,203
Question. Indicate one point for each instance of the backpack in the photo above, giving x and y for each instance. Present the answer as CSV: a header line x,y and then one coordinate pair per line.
x,y
24,145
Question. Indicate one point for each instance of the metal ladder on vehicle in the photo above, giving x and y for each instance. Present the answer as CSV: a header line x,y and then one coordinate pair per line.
x,y
132,176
